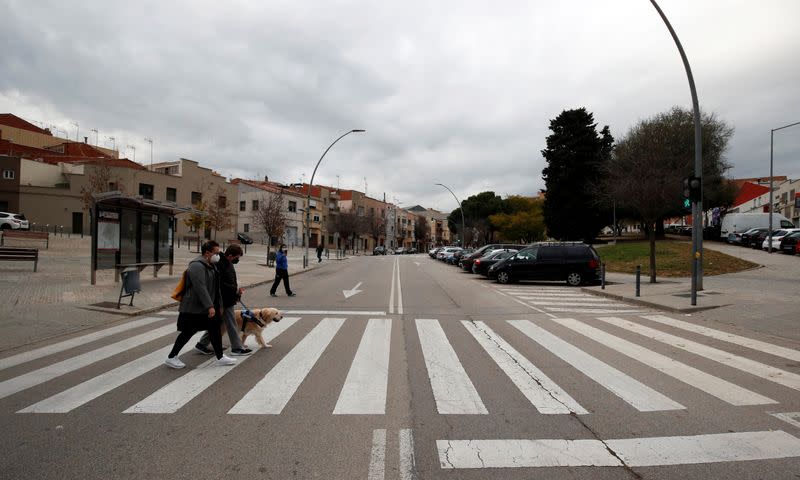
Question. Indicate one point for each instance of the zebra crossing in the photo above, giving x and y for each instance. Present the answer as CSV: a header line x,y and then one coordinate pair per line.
x,y
364,389
559,300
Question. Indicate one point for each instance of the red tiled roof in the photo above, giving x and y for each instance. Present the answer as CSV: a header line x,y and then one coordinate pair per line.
x,y
14,149
267,186
81,150
12,120
345,194
111,162
739,182
749,191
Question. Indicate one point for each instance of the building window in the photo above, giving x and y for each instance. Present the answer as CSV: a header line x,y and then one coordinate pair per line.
x,y
316,218
242,206
197,197
8,174
360,211
146,191
172,194
222,202
255,205
292,206
246,227
112,186
313,204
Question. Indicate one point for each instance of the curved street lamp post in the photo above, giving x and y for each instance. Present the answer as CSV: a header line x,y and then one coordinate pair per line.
x,y
308,198
460,209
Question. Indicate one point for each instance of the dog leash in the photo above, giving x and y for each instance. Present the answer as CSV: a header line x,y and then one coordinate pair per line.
x,y
247,316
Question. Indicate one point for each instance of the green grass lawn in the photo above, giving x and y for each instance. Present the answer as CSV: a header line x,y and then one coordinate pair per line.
x,y
673,259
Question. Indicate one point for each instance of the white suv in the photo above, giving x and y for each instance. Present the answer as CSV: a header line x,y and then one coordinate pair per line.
x,y
777,236
13,221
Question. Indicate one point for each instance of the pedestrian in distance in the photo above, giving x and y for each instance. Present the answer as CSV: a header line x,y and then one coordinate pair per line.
x,y
201,304
231,293
319,252
281,272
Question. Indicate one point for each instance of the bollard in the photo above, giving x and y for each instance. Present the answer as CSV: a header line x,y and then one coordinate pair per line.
x,y
603,276
638,278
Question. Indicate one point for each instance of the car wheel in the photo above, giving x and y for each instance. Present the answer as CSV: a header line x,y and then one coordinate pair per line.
x,y
5,226
503,277
574,279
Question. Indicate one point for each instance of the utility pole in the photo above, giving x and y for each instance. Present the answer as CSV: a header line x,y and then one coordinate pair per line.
x,y
134,151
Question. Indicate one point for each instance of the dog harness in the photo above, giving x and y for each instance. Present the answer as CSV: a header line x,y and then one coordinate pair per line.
x,y
247,316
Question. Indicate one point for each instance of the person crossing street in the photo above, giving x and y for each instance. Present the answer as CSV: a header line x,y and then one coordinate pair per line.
x,y
281,272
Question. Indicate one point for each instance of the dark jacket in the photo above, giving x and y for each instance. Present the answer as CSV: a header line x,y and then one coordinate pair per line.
x,y
281,261
229,285
202,288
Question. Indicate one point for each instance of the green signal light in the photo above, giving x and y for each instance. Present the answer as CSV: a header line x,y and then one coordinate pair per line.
x,y
687,203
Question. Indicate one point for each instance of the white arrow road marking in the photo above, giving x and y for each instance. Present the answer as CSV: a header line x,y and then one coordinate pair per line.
x,y
635,452
416,263
352,291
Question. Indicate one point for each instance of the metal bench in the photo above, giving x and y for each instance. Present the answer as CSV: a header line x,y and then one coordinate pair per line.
x,y
20,255
25,234
140,266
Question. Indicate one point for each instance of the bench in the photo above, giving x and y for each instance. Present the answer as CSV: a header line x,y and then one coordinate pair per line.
x,y
20,255
25,234
140,266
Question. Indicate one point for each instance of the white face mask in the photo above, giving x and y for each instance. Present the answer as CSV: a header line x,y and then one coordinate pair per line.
x,y
215,258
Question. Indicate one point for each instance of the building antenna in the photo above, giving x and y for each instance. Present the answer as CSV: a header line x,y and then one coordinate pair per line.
x,y
134,151
150,141
95,136
77,129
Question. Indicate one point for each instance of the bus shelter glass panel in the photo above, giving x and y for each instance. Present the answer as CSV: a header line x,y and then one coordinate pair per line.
x,y
164,237
149,227
129,232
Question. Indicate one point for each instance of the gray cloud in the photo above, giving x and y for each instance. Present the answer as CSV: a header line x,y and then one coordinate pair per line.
x,y
453,92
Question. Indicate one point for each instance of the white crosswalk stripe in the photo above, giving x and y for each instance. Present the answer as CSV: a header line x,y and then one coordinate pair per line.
x,y
767,372
638,395
273,392
537,387
364,389
173,396
452,389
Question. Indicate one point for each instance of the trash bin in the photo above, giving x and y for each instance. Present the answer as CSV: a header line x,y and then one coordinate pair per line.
x,y
130,284
271,259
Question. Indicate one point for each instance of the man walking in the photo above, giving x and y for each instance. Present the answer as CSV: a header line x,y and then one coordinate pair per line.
x,y
319,252
281,272
200,305
231,293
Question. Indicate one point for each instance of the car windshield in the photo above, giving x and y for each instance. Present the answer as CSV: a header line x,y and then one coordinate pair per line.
x,y
786,224
779,233
528,253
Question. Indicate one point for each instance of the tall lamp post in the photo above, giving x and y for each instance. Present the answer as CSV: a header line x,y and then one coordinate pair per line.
x,y
308,199
697,205
463,231
771,201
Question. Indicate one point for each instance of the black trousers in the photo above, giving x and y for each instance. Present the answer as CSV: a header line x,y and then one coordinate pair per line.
x,y
281,274
189,324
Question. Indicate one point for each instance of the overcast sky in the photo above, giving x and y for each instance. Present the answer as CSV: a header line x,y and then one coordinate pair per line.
x,y
457,92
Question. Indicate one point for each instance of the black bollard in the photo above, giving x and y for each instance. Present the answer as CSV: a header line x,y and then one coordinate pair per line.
x,y
603,276
638,278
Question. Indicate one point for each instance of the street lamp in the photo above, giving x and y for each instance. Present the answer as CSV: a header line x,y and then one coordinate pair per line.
x,y
771,206
697,205
460,209
308,199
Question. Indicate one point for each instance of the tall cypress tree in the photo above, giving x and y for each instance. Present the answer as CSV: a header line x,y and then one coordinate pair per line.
x,y
576,155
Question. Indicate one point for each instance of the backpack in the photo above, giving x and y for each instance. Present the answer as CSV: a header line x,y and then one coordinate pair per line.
x,y
180,288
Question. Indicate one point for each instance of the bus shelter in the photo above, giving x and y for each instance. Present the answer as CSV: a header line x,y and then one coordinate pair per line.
x,y
131,233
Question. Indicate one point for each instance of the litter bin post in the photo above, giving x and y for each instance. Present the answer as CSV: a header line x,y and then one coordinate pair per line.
x,y
271,259
130,285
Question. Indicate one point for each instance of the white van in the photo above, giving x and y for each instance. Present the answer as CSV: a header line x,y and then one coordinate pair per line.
x,y
741,222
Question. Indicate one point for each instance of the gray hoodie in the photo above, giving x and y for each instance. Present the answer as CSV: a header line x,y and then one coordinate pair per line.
x,y
202,289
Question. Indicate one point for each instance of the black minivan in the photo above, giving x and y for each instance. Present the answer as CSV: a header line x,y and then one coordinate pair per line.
x,y
577,263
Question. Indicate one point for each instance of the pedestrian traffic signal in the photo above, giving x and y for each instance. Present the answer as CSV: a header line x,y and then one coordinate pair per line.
x,y
692,191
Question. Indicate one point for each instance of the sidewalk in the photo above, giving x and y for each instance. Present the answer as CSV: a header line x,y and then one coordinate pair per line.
x,y
59,298
775,281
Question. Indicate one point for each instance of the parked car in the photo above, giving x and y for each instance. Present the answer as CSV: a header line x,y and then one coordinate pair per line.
x,y
749,235
758,238
10,221
433,251
379,250
458,255
399,250
577,263
466,261
244,238
481,265
790,243
445,252
777,236
411,250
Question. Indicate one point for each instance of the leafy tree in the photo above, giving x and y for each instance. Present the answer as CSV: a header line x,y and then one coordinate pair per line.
x,y
575,155
196,220
100,179
271,216
376,226
347,225
524,224
422,231
219,217
646,172
477,210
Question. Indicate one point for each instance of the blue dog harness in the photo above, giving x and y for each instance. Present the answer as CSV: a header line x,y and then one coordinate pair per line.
x,y
248,316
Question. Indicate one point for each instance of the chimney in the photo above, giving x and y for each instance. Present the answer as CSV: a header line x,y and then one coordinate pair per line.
x,y
86,140
266,178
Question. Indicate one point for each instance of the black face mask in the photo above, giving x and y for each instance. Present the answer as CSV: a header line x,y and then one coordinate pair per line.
x,y
235,260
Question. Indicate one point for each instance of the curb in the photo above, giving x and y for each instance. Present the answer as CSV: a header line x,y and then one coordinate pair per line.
x,y
645,303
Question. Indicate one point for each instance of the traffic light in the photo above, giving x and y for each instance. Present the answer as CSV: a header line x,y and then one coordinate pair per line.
x,y
692,191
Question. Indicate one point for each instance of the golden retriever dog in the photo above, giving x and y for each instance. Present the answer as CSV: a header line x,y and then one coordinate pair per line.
x,y
263,315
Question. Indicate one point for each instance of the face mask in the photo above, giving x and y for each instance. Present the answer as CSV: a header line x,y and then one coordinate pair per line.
x,y
235,260
215,258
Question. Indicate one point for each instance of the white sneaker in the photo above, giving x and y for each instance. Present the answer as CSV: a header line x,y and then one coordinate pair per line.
x,y
174,363
225,361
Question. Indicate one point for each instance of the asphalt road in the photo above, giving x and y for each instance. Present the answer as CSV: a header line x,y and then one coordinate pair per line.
x,y
403,367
